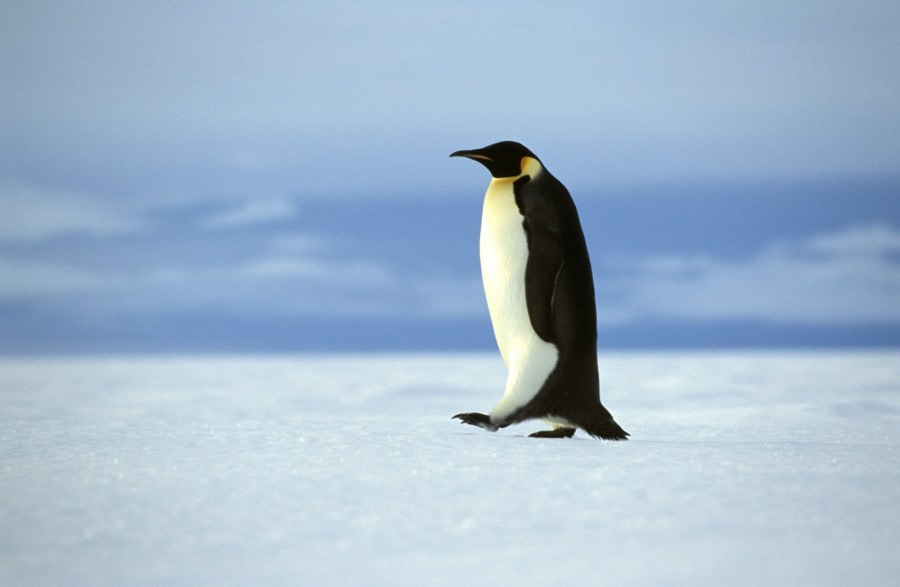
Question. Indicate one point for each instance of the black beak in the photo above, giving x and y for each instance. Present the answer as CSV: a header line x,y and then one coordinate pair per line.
x,y
471,154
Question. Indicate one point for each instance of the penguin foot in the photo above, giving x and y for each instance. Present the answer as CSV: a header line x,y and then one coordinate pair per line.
x,y
607,430
562,432
476,419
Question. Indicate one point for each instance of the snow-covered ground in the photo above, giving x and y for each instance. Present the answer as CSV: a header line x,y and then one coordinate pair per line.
x,y
743,469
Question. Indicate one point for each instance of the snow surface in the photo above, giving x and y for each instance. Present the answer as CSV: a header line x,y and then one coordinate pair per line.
x,y
743,469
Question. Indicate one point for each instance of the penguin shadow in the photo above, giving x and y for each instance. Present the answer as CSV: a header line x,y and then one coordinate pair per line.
x,y
481,421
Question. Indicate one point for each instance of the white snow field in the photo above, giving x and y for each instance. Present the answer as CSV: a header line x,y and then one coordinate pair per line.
x,y
743,469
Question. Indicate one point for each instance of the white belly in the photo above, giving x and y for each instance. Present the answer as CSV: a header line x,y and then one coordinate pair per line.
x,y
504,254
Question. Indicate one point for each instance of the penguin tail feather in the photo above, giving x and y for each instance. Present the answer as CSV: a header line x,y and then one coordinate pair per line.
x,y
607,430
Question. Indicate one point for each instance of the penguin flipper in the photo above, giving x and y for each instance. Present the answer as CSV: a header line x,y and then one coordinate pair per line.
x,y
545,261
476,419
545,251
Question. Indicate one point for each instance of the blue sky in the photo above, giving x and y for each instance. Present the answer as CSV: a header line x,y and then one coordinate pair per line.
x,y
275,176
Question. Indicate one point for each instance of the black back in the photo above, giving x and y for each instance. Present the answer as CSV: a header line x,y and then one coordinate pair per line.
x,y
559,292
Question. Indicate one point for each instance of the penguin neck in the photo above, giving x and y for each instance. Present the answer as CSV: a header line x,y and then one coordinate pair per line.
x,y
530,167
500,185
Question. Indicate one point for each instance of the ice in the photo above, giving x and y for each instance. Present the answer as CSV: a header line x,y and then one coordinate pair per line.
x,y
743,469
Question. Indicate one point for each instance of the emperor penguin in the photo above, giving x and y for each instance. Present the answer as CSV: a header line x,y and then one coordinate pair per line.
x,y
540,295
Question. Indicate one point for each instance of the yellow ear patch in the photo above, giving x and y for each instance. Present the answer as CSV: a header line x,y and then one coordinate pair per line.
x,y
530,166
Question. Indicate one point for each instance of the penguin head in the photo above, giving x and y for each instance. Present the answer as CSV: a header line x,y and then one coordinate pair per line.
x,y
506,159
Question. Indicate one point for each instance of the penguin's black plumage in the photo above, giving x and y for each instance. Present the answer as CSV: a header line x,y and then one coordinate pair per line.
x,y
540,293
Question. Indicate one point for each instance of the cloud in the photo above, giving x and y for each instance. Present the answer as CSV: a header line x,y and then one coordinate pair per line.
x,y
851,276
253,212
293,275
23,279
874,240
310,286
449,296
846,276
33,213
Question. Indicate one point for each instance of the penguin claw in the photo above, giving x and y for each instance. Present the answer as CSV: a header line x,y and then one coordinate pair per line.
x,y
476,419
